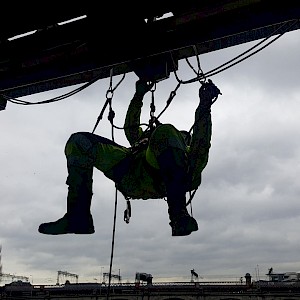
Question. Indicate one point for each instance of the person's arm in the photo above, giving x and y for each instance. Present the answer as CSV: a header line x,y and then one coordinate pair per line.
x,y
132,128
202,131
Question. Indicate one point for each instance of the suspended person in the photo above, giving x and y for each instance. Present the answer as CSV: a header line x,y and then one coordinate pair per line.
x,y
161,163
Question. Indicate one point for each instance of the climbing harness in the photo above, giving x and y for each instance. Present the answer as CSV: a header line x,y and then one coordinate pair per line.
x,y
142,143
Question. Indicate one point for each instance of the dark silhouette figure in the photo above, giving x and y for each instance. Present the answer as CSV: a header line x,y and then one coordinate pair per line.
x,y
161,162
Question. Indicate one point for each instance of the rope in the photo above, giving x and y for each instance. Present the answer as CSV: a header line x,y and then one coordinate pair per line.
x,y
219,69
54,99
212,72
197,78
127,212
109,96
111,115
200,75
112,244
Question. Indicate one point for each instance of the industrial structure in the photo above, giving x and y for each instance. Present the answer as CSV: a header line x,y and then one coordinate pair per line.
x,y
43,49
65,275
145,288
154,291
115,276
283,276
143,277
12,277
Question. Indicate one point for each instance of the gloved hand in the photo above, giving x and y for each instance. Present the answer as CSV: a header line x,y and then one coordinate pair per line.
x,y
142,87
208,93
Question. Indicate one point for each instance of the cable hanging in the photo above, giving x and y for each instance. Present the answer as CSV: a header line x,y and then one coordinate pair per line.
x,y
111,115
220,68
200,76
109,96
54,99
58,98
112,243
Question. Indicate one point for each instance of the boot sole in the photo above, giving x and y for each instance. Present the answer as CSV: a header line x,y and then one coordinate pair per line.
x,y
63,226
66,232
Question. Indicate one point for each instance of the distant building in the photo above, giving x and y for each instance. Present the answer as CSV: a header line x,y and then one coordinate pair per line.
x,y
276,277
283,277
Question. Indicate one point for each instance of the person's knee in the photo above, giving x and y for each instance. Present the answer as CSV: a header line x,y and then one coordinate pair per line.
x,y
79,150
78,142
78,137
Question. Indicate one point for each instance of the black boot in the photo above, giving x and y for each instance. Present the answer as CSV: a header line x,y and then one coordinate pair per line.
x,y
78,218
180,220
173,168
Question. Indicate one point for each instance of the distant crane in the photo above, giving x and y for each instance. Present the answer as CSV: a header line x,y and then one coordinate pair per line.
x,y
112,276
65,274
11,276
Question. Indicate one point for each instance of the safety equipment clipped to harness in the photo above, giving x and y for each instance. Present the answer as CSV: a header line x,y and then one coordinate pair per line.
x,y
127,212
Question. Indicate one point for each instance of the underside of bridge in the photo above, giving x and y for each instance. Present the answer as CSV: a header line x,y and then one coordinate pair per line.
x,y
45,46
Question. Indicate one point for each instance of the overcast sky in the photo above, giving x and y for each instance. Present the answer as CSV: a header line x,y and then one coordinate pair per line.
x,y
247,208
